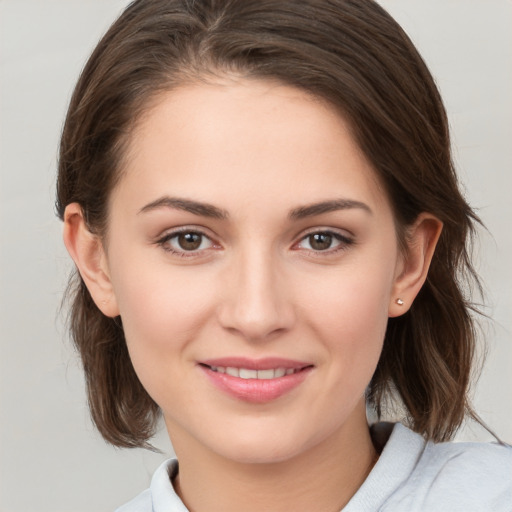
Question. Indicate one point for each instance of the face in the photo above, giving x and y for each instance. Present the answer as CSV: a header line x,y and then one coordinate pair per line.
x,y
252,255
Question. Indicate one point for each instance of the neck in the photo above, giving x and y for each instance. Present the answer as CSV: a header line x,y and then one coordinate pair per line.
x,y
323,478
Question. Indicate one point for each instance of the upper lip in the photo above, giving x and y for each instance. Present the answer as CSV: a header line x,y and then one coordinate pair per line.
x,y
267,363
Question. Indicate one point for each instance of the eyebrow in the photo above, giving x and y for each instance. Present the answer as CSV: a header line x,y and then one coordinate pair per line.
x,y
187,205
327,206
208,210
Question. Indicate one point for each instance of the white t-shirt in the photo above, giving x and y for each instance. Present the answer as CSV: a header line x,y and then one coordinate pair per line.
x,y
411,475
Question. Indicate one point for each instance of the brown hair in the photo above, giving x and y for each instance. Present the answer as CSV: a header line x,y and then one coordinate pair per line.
x,y
348,52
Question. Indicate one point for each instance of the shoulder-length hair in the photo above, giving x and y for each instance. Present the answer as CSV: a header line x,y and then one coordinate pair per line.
x,y
353,55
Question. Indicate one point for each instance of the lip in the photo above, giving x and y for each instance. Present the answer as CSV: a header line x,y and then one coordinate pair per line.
x,y
255,390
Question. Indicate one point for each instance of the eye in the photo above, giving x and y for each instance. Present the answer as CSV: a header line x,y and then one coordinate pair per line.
x,y
324,241
185,242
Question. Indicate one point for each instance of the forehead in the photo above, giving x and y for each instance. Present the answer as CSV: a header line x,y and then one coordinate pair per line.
x,y
256,140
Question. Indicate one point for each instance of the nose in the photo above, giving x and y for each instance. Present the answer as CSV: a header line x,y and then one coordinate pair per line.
x,y
256,299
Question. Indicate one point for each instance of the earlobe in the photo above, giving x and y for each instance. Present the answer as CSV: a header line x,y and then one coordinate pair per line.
x,y
422,238
89,256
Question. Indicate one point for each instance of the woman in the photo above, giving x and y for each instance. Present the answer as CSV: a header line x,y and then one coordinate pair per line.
x,y
260,201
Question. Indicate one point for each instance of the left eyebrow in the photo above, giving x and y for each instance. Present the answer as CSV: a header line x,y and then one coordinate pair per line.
x,y
327,206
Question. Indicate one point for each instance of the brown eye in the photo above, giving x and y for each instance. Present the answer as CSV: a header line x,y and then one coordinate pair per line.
x,y
186,242
320,241
325,241
189,241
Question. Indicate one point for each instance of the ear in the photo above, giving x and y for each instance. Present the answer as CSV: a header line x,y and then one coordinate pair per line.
x,y
89,256
421,242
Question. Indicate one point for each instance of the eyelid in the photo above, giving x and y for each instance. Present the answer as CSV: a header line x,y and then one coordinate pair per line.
x,y
345,240
169,234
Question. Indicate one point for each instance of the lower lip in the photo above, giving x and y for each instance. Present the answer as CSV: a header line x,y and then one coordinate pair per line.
x,y
257,391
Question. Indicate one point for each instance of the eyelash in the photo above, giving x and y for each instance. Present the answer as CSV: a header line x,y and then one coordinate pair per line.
x,y
164,242
344,242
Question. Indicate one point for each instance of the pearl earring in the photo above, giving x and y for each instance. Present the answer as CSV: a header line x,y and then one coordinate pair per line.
x,y
400,302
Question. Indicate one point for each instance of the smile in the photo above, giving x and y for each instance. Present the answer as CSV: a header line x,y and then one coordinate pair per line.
x,y
255,381
246,373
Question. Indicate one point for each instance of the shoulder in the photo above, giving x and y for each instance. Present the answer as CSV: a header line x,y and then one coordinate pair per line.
x,y
459,476
482,471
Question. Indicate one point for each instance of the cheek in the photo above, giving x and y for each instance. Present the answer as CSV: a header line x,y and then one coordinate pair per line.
x,y
162,315
161,309
350,312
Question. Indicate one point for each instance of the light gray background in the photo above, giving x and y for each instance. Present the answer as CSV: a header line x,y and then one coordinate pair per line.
x,y
50,457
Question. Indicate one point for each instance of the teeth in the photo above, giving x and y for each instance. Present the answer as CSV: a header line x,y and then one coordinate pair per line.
x,y
246,373
232,371
266,374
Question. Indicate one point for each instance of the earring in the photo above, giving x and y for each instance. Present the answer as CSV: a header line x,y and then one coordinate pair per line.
x,y
400,302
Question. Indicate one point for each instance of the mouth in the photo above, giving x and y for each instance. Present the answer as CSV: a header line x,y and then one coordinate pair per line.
x,y
256,381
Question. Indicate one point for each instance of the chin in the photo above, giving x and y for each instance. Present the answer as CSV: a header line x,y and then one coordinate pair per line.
x,y
263,448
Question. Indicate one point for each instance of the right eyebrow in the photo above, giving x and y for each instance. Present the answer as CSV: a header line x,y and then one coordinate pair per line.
x,y
187,205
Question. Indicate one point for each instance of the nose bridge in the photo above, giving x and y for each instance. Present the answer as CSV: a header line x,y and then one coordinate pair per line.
x,y
257,303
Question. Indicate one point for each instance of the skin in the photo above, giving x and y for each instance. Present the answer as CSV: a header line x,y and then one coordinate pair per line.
x,y
257,286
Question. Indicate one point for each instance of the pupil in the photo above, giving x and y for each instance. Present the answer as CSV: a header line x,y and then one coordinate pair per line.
x,y
189,241
320,241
